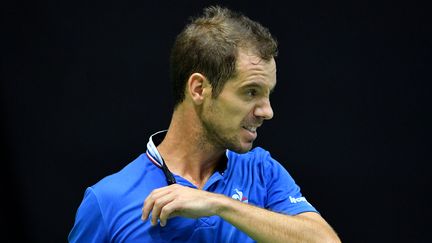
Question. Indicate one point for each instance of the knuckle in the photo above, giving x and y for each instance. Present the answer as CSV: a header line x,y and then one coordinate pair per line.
x,y
176,186
157,203
165,210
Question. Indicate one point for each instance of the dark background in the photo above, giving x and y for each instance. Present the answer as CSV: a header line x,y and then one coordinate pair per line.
x,y
84,83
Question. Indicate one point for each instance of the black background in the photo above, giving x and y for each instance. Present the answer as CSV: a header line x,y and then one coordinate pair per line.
x,y
84,83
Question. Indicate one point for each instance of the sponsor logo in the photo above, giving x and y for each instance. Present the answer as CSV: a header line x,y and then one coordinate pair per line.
x,y
297,200
238,195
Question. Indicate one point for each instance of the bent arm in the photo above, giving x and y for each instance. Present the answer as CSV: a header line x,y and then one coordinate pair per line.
x,y
266,226
260,224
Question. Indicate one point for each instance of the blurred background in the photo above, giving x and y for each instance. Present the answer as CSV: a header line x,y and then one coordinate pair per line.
x,y
84,84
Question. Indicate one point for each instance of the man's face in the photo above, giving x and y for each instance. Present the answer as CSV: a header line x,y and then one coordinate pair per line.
x,y
231,120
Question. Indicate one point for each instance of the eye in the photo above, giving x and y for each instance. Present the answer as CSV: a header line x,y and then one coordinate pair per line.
x,y
251,92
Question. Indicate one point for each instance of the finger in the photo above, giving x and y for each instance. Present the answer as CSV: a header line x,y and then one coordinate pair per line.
x,y
158,206
148,204
149,201
168,211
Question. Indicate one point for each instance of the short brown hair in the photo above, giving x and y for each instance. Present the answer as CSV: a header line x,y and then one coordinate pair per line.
x,y
209,45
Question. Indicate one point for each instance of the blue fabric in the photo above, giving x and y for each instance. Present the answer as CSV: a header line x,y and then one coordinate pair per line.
x,y
111,209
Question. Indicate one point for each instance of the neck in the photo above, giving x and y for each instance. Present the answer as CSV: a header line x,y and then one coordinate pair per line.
x,y
185,149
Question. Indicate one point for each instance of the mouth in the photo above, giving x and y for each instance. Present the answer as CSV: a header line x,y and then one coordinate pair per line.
x,y
250,133
251,129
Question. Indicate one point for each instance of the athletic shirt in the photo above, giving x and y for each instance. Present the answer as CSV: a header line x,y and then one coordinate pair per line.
x,y
111,209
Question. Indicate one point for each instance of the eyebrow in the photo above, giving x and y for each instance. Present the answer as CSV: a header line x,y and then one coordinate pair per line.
x,y
258,85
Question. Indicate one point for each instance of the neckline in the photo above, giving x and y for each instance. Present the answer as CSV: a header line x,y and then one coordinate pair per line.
x,y
156,158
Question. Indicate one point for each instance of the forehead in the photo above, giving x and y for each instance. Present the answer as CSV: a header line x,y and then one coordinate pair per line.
x,y
246,58
250,67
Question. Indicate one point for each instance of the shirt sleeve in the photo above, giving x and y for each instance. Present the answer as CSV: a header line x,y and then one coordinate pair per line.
x,y
89,223
283,194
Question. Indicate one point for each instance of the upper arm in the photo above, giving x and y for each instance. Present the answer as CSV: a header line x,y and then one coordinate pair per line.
x,y
89,224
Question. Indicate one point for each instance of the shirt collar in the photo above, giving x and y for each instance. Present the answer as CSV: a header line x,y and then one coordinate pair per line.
x,y
154,155
152,152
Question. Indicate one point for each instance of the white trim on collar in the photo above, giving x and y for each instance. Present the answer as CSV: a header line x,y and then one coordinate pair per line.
x,y
152,151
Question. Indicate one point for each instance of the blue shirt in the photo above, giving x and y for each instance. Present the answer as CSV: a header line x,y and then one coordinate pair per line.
x,y
111,209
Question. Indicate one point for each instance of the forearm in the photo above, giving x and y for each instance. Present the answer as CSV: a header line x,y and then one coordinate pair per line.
x,y
266,226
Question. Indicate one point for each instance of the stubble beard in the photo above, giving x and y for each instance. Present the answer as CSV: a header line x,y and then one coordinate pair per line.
x,y
215,136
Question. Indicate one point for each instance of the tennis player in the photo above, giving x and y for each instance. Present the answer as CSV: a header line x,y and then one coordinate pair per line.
x,y
201,180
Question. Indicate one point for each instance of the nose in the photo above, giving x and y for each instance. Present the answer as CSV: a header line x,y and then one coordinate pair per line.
x,y
264,110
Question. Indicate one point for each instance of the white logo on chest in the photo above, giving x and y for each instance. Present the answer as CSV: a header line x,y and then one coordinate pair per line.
x,y
239,196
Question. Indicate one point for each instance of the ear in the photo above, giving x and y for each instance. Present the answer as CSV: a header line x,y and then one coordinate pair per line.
x,y
198,87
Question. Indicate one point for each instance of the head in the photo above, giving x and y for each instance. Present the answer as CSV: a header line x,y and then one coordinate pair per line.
x,y
232,55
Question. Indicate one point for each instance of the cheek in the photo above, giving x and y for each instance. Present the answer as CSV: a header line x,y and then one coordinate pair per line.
x,y
237,114
230,111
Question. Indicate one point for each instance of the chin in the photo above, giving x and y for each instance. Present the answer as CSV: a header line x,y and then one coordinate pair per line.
x,y
242,148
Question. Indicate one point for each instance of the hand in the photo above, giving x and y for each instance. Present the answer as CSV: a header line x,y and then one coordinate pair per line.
x,y
176,200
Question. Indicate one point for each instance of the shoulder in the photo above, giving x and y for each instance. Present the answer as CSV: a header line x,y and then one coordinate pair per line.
x,y
130,178
115,200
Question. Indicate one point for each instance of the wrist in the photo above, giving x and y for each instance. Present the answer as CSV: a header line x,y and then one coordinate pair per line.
x,y
220,204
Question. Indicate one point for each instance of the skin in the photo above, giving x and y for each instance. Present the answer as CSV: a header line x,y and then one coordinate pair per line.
x,y
245,101
201,129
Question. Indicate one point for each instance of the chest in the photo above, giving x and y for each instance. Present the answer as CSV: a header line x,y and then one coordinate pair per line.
x,y
130,228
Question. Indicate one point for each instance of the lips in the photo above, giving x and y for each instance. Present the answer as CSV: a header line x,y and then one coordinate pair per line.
x,y
250,129
250,132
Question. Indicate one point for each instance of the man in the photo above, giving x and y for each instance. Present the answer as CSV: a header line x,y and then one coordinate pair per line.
x,y
216,188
